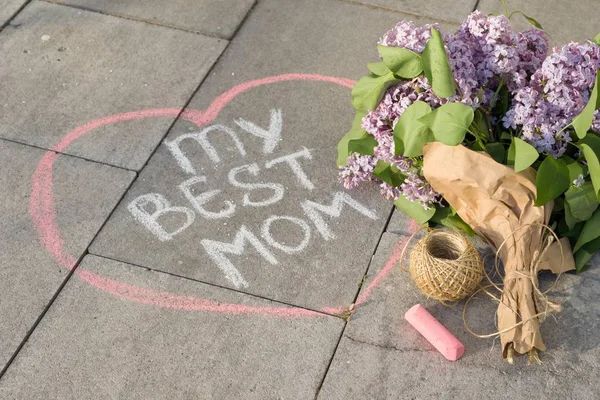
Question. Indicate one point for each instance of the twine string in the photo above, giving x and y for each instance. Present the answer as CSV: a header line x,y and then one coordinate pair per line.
x,y
539,296
444,265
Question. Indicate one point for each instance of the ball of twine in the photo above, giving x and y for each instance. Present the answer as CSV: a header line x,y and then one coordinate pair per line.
x,y
445,266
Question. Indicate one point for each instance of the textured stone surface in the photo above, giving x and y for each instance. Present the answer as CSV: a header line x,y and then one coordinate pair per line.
x,y
564,21
62,67
455,10
93,345
213,17
381,356
84,193
400,223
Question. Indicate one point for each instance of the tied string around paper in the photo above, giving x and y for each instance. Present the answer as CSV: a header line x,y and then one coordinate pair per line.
x,y
540,297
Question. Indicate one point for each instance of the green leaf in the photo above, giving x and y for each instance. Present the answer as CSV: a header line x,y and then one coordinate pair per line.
x,y
414,209
574,233
594,166
356,132
592,140
570,220
447,216
590,231
582,201
437,67
378,68
559,205
368,91
480,124
449,123
387,174
552,180
575,168
410,135
596,39
585,254
583,121
365,145
497,151
521,154
402,62
529,19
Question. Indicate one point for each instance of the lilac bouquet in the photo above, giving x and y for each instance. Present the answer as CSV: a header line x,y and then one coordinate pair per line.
x,y
492,90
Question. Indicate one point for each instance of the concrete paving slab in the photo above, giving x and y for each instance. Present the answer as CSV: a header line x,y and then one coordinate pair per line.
x,y
455,10
306,263
381,356
62,68
94,345
399,223
8,8
212,17
84,195
564,21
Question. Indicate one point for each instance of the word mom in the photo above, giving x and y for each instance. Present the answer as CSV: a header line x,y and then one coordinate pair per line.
x,y
149,208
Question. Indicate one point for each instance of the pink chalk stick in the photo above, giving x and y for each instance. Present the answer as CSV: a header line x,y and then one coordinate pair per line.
x,y
435,333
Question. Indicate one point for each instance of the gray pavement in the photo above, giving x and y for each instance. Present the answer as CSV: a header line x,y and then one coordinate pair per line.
x,y
8,8
209,17
149,252
94,345
63,67
85,194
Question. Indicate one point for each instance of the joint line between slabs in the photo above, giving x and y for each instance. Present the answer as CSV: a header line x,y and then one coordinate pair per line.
x,y
39,318
132,18
66,154
213,285
64,283
383,231
383,8
12,17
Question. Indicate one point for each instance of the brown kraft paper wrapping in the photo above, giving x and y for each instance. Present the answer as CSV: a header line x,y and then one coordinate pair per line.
x,y
499,205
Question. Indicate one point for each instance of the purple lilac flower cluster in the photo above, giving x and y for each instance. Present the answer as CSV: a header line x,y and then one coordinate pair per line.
x,y
483,53
557,92
358,169
380,123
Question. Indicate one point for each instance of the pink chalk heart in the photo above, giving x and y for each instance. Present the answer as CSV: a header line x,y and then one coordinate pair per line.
x,y
43,211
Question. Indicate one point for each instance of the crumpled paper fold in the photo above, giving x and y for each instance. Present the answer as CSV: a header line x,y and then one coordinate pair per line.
x,y
499,205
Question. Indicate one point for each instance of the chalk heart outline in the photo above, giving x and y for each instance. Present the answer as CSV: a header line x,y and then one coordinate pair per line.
x,y
43,213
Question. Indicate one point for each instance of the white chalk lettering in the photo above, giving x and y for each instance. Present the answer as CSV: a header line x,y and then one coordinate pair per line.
x,y
313,211
199,200
266,234
161,207
291,160
213,197
253,169
271,136
216,250
174,146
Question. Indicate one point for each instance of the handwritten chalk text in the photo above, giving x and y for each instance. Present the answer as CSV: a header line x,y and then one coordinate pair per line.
x,y
208,202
